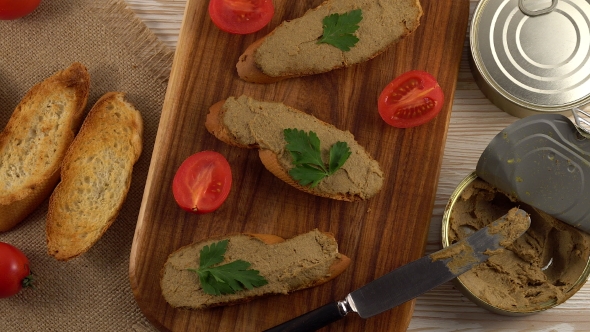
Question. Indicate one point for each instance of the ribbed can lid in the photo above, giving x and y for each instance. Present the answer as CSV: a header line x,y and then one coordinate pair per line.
x,y
535,53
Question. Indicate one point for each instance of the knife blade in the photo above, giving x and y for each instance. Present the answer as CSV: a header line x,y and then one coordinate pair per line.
x,y
417,277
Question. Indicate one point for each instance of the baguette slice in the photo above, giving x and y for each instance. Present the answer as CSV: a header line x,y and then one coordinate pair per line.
x,y
35,140
291,50
248,123
304,261
95,177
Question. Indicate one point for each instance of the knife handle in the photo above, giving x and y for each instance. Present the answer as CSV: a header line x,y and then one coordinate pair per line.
x,y
312,320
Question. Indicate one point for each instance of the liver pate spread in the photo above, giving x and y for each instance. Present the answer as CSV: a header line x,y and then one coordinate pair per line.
x,y
461,255
292,48
261,123
539,269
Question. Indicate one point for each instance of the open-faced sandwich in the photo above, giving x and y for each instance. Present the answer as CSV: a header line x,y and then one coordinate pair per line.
x,y
250,266
303,151
336,34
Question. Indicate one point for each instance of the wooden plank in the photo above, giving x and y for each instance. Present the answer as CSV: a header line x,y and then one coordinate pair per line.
x,y
387,231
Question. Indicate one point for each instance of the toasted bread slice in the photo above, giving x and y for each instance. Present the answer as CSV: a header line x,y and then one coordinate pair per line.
x,y
95,177
248,123
304,261
35,140
291,50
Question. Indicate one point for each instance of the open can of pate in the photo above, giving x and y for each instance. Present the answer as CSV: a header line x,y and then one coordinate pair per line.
x,y
532,56
540,270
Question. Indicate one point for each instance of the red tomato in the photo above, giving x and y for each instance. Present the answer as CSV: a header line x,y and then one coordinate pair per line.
x,y
14,270
13,9
202,182
241,16
410,100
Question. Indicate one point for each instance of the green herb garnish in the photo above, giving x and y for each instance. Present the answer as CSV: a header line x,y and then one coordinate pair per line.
x,y
309,168
339,29
227,278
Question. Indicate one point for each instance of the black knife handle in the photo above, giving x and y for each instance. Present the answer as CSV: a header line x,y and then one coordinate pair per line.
x,y
312,320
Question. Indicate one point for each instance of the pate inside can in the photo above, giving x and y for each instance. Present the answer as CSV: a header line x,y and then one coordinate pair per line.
x,y
540,270
532,56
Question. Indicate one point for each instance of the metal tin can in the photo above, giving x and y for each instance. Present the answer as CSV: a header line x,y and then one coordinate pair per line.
x,y
578,272
532,56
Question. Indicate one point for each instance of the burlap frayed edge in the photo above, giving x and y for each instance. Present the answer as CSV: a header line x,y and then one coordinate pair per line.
x,y
152,53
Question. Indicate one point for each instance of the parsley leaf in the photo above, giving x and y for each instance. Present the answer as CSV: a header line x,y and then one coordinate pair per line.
x,y
227,278
213,254
309,168
339,153
339,29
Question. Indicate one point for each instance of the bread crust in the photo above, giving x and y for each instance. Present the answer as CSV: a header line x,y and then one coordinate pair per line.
x,y
36,113
250,71
214,124
95,177
337,267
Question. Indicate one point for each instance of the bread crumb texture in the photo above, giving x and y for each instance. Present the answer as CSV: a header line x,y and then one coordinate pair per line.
x,y
262,123
297,263
96,175
35,140
292,48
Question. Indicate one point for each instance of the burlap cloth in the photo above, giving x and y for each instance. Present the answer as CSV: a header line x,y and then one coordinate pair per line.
x,y
91,292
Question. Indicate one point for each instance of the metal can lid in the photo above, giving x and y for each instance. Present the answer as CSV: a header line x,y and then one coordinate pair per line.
x,y
542,161
535,53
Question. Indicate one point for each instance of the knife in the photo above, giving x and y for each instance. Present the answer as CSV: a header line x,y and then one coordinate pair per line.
x,y
417,277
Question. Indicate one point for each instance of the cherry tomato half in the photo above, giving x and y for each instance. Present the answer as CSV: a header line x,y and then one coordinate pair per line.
x,y
241,16
13,9
14,270
202,182
410,100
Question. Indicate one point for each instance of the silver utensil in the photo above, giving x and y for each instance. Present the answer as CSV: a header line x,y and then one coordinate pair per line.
x,y
415,278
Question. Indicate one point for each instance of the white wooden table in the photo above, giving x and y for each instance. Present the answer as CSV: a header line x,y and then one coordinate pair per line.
x,y
474,122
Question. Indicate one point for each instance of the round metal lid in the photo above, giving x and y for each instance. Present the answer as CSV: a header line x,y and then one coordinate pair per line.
x,y
536,53
542,161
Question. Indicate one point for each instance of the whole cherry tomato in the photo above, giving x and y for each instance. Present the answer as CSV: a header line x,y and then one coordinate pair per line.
x,y
202,182
14,270
410,100
13,9
241,16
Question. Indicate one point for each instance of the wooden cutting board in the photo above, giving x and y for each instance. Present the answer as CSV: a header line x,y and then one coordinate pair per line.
x,y
379,235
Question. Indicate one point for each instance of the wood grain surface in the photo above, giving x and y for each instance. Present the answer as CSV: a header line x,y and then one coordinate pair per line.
x,y
379,235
